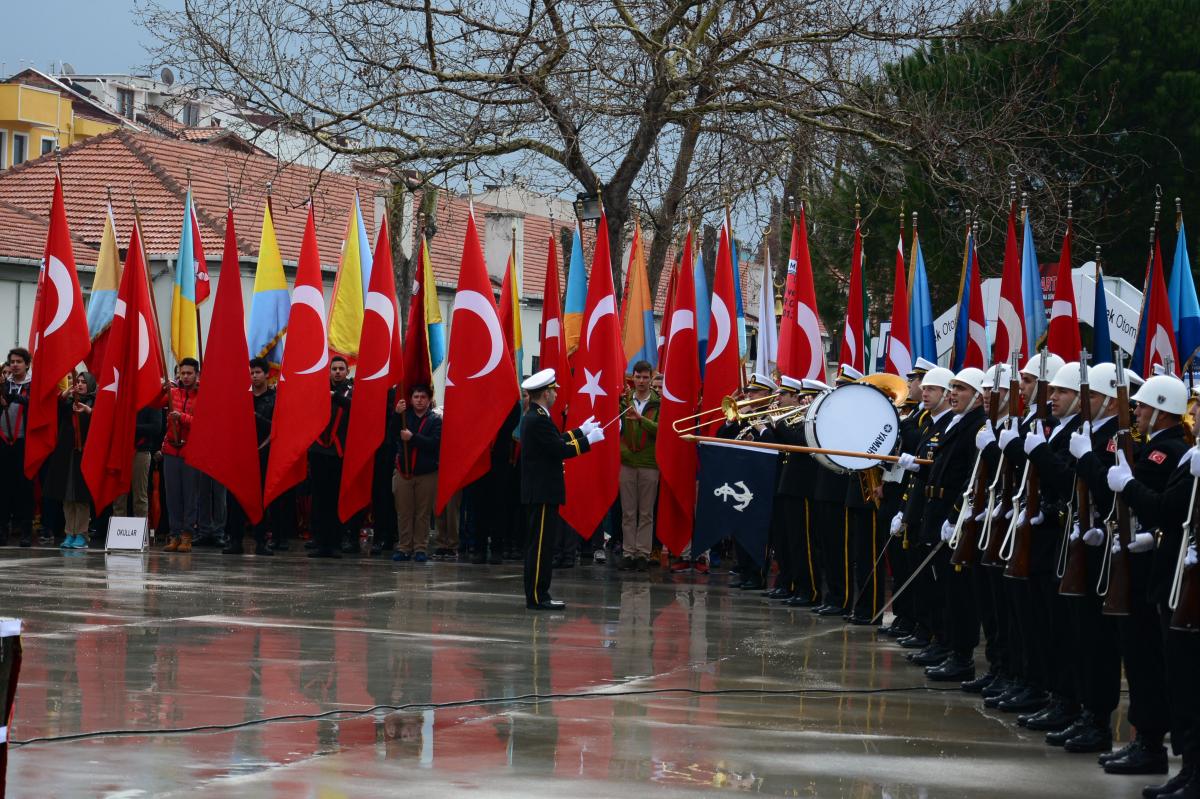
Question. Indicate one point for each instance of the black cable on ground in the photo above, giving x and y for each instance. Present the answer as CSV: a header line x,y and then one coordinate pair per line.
x,y
498,700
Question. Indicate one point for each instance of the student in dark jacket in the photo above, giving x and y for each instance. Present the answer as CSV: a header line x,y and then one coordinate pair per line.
x,y
416,435
325,467
543,487
63,476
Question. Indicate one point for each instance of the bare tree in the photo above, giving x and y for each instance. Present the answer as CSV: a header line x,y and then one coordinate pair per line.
x,y
668,105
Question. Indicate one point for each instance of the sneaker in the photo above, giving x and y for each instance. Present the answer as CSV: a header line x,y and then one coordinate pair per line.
x,y
700,565
681,566
420,557
599,556
400,556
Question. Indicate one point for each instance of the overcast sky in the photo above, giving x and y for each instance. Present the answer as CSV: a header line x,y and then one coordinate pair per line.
x,y
91,35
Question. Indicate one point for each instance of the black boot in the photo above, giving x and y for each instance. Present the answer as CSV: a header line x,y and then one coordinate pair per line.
x,y
977,685
931,655
1170,786
955,668
1190,789
1060,737
1146,757
1094,738
1058,715
1025,702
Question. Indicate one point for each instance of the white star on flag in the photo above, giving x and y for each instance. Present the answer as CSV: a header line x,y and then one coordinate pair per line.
x,y
591,386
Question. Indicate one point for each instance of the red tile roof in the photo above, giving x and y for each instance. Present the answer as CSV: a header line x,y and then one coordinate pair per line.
x,y
156,168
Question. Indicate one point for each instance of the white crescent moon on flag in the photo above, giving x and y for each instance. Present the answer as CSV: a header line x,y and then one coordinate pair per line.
x,y
476,303
1010,323
977,334
806,320
379,304
119,308
1160,346
682,319
720,317
553,329
116,381
312,297
143,341
900,357
606,306
57,272
851,344
1060,308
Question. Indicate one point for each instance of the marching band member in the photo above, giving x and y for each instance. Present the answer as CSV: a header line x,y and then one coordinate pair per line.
x,y
758,428
833,523
948,476
799,580
1161,403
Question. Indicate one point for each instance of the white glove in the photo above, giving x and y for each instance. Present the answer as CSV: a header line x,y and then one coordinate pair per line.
x,y
1008,513
1074,532
897,522
981,515
947,530
984,437
1142,542
596,435
1081,441
996,511
1193,464
1120,475
908,462
1190,558
1036,519
1034,438
1007,436
1094,537
588,426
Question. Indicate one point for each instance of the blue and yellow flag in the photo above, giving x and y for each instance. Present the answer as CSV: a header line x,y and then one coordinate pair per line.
x,y
435,328
103,300
576,298
185,333
637,321
270,305
346,309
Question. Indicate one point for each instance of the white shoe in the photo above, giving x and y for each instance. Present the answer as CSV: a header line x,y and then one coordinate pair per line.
x,y
599,556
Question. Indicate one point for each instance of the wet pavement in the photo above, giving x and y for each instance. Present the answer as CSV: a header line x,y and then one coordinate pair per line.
x,y
681,674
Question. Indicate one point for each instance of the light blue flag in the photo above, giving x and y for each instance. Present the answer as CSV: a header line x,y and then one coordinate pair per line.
x,y
364,249
1181,293
703,308
576,299
920,309
1031,289
743,346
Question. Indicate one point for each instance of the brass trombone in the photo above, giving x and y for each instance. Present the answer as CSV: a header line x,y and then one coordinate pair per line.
x,y
731,410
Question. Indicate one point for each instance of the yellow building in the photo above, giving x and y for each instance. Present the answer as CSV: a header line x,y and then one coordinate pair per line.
x,y
38,113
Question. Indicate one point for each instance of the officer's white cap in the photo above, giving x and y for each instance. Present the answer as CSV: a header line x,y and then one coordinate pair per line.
x,y
761,382
539,380
787,383
815,385
921,367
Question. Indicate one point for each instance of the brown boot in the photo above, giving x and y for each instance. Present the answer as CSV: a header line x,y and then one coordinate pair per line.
x,y
172,544
186,544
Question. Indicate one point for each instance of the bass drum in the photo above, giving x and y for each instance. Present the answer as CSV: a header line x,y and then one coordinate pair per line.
x,y
856,417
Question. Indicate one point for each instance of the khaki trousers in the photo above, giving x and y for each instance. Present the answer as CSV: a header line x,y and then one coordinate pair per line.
x,y
415,497
446,524
77,514
139,488
639,487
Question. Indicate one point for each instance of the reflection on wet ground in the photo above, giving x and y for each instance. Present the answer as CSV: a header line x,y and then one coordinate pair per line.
x,y
147,643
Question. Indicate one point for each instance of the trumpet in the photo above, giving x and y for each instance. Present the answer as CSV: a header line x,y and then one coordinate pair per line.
x,y
731,410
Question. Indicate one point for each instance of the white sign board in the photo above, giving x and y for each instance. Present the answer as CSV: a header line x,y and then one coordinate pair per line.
x,y
126,533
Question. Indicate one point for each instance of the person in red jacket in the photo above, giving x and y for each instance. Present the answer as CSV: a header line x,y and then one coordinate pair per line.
x,y
182,481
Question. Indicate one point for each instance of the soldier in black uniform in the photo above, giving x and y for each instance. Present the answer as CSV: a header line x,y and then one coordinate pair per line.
x,y
1161,403
833,527
1097,658
935,398
799,580
543,489
325,466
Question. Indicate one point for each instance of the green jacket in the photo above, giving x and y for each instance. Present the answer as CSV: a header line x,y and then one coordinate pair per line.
x,y
638,435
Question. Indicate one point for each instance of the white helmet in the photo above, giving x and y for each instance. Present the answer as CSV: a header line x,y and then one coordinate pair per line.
x,y
972,378
937,377
1067,377
1165,393
999,375
1102,378
1033,367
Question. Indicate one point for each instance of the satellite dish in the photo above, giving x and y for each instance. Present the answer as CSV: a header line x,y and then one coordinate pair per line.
x,y
67,69
168,77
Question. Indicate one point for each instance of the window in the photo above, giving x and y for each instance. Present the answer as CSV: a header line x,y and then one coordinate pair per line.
x,y
48,144
3,149
191,115
125,103
20,148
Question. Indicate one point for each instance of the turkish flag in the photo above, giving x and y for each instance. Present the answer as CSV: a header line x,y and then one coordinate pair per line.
x,y
416,368
380,367
302,399
976,324
130,379
1062,336
722,371
224,442
479,376
58,336
203,285
680,397
899,354
667,311
599,380
801,351
1010,318
852,339
1161,347
553,352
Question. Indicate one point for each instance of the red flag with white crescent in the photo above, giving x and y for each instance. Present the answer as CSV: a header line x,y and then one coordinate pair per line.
x,y
553,352
1161,346
722,371
977,324
380,364
58,336
801,351
599,380
1010,317
899,353
479,376
852,339
130,379
1062,336
302,397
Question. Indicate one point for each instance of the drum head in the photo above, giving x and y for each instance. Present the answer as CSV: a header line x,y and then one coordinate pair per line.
x,y
856,417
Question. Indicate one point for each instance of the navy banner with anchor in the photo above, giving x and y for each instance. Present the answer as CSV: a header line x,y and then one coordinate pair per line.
x,y
737,489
